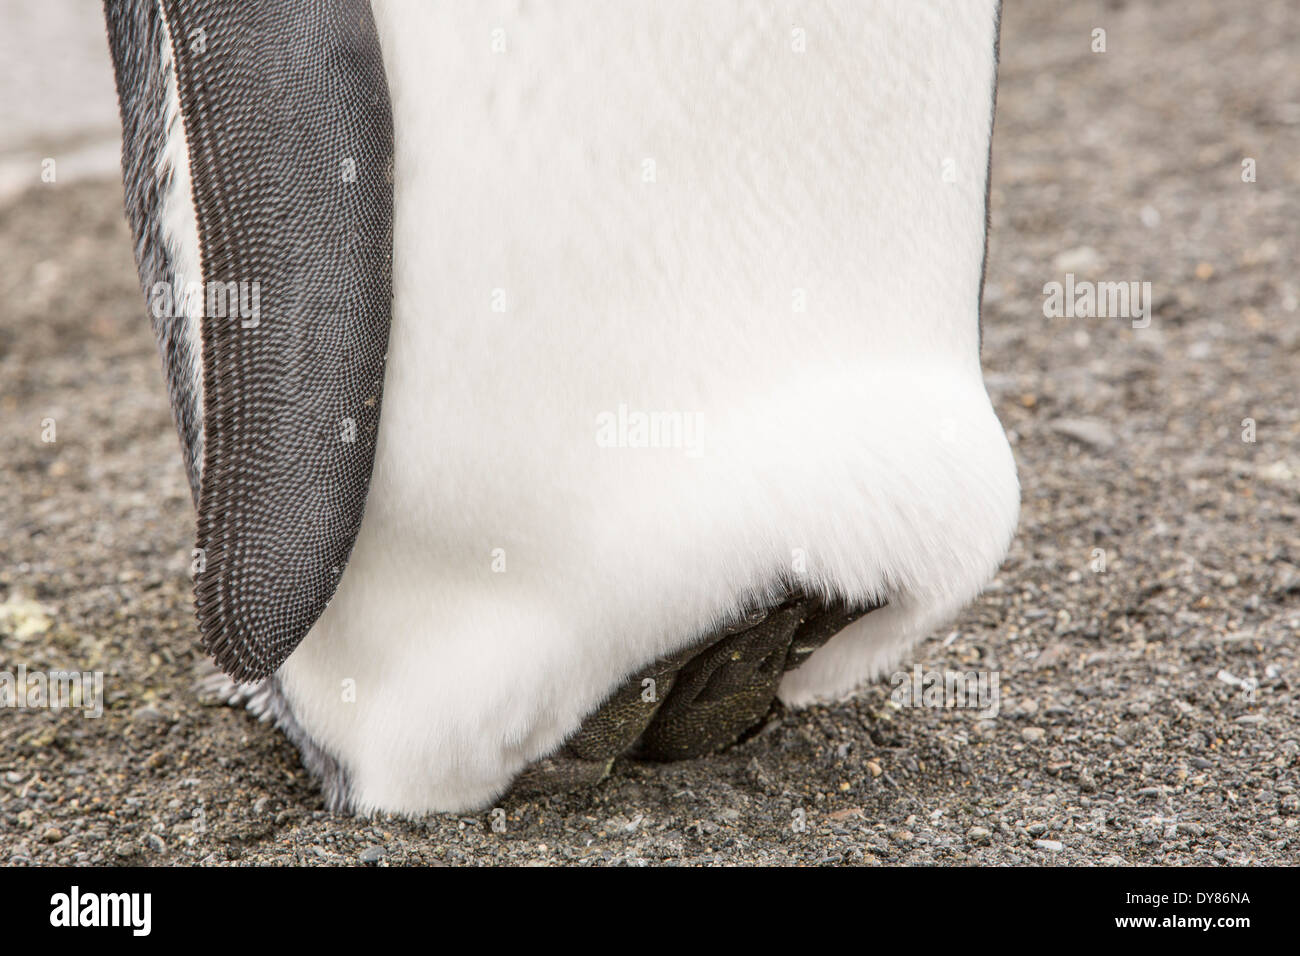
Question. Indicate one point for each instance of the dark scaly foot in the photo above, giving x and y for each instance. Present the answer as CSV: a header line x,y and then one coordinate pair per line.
x,y
697,701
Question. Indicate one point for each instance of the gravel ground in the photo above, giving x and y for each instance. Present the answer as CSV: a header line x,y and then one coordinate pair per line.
x,y
1148,710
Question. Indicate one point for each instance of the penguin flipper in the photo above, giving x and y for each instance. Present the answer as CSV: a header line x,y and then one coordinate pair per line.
x,y
288,136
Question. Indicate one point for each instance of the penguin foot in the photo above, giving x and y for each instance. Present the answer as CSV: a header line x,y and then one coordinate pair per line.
x,y
695,702
690,704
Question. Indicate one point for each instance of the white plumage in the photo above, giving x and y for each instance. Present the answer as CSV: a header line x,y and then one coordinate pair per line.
x,y
767,217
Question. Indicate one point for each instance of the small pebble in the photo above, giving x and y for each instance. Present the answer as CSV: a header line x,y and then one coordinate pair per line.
x,y
1089,432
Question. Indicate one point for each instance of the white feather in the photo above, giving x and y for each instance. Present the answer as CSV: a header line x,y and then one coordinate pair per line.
x,y
180,233
856,433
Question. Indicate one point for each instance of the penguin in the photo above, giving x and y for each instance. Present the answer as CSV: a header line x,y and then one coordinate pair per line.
x,y
564,382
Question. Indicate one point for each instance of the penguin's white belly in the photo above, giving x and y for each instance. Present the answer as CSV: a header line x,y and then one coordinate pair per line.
x,y
685,309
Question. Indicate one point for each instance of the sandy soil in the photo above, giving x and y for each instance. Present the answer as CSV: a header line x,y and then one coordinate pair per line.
x,y
1149,711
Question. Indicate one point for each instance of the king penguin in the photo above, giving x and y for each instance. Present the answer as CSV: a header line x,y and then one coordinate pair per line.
x,y
561,381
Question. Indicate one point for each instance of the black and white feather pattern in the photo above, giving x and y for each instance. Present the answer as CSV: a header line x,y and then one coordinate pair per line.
x,y
288,142
141,51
